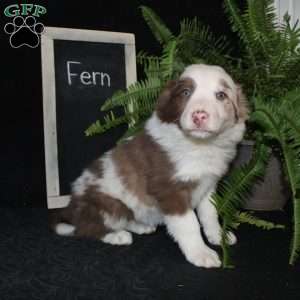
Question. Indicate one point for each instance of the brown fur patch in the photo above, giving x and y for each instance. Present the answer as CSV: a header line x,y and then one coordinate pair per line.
x,y
87,211
242,105
84,211
241,109
230,104
172,100
146,171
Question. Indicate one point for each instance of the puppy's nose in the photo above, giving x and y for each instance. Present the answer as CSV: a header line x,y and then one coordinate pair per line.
x,y
199,117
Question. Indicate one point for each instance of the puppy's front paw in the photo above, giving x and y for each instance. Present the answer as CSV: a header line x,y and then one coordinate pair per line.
x,y
205,257
215,238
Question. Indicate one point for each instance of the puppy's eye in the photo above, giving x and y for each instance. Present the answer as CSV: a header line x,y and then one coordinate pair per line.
x,y
186,92
221,96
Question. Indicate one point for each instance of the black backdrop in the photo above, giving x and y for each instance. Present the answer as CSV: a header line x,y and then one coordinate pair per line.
x,y
22,147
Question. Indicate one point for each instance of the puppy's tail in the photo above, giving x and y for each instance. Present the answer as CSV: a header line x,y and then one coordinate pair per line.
x,y
61,222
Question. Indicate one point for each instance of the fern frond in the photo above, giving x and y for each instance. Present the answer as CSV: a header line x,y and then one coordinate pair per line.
x,y
266,115
272,57
144,90
110,121
150,63
193,30
260,20
283,126
292,33
262,16
168,60
291,152
290,102
248,218
233,191
93,129
197,40
238,26
290,68
285,57
158,28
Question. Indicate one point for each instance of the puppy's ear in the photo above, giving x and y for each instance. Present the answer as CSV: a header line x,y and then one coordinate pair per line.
x,y
242,104
163,102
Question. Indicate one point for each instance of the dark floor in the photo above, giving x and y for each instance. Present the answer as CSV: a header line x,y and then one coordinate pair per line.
x,y
36,264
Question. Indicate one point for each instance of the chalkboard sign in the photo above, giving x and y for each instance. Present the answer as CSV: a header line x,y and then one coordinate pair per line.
x,y
81,69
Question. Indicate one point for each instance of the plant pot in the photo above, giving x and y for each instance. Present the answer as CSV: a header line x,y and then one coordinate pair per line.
x,y
269,194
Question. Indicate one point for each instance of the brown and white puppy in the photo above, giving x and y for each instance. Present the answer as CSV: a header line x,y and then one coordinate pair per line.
x,y
167,171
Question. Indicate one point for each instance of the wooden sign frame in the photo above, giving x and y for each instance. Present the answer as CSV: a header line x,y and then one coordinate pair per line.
x,y
54,198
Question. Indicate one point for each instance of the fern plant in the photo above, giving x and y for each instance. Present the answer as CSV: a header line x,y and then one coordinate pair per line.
x,y
280,123
267,67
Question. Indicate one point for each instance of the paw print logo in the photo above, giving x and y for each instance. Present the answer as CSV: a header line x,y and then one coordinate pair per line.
x,y
24,32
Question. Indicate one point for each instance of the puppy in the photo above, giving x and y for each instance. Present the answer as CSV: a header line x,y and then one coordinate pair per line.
x,y
168,172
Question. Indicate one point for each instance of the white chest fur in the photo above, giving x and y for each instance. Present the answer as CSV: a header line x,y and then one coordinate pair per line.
x,y
195,160
202,162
